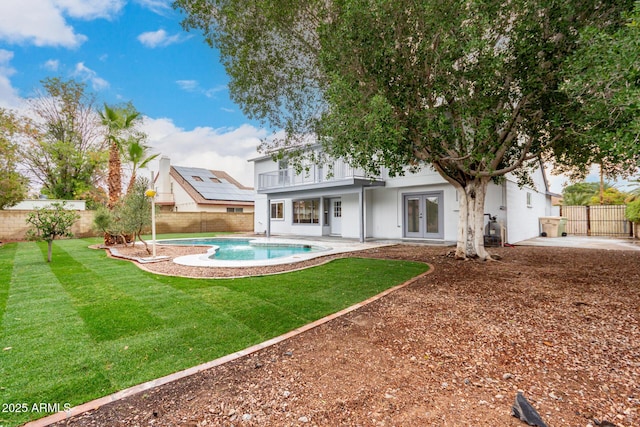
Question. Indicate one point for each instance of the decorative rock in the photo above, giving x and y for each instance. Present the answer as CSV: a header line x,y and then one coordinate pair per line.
x,y
303,419
523,410
507,376
247,417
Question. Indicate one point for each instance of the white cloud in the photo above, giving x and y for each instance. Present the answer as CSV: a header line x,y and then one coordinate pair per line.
x,y
51,65
89,9
9,97
39,22
86,74
188,85
160,38
161,7
205,147
44,23
194,87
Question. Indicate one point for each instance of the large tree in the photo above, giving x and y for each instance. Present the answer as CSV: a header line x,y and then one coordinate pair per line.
x,y
138,156
63,148
121,122
13,184
603,77
469,88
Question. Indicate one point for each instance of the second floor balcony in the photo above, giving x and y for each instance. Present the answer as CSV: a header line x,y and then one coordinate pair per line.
x,y
315,176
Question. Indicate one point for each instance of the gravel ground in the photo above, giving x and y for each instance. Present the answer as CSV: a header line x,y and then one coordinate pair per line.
x,y
560,325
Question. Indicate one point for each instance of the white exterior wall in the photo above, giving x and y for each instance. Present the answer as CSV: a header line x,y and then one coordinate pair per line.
x,y
350,216
260,216
386,210
523,218
29,205
384,207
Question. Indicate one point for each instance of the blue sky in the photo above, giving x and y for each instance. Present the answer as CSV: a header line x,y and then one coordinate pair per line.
x,y
134,51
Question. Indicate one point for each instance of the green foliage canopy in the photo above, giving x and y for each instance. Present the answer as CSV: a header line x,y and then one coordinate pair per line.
x,y
468,88
633,211
51,222
603,79
130,217
121,123
63,149
13,185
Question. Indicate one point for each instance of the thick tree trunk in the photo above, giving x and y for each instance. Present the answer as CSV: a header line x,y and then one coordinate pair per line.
x,y
471,224
114,180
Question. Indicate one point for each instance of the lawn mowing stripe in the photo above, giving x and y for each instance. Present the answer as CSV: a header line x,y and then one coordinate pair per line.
x,y
47,341
108,312
257,301
242,308
195,320
7,255
191,331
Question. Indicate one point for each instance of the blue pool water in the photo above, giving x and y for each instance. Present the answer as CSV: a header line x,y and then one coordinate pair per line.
x,y
242,249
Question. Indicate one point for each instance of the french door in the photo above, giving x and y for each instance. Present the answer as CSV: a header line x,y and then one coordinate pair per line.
x,y
423,215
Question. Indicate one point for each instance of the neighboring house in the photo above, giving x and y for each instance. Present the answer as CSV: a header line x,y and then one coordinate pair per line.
x,y
420,206
186,189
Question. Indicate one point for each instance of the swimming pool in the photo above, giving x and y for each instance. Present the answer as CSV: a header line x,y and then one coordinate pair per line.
x,y
234,249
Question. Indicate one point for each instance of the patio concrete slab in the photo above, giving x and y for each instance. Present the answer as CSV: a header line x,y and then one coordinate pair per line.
x,y
585,242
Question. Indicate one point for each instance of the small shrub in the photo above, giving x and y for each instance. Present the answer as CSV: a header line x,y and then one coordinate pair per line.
x,y
633,211
51,222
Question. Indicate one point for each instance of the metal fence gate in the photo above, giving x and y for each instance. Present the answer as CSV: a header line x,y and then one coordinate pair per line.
x,y
599,220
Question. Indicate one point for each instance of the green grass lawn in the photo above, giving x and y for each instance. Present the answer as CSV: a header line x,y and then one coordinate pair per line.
x,y
86,325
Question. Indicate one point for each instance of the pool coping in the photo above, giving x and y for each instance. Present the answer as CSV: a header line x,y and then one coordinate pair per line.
x,y
149,385
328,248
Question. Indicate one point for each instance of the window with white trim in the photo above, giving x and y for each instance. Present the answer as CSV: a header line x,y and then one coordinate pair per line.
x,y
277,210
306,211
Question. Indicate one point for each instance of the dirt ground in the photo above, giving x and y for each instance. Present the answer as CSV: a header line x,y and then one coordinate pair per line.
x,y
452,349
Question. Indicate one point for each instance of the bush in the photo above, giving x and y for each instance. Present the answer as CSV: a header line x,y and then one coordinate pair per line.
x,y
633,211
51,222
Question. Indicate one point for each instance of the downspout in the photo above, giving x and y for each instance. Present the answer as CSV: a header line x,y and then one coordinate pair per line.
x,y
268,216
361,213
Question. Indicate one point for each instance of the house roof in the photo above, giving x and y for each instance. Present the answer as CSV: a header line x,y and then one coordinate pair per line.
x,y
211,186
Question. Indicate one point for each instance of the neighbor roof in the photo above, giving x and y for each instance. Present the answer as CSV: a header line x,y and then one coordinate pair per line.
x,y
211,186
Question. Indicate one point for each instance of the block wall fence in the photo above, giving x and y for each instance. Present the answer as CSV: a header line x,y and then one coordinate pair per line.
x,y
13,224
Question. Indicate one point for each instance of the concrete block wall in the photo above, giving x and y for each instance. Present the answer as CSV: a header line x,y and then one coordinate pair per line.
x,y
13,225
199,222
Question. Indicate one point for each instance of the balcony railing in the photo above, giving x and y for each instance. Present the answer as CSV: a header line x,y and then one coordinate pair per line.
x,y
164,198
313,175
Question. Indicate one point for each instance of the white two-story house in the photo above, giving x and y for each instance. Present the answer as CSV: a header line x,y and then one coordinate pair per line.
x,y
418,206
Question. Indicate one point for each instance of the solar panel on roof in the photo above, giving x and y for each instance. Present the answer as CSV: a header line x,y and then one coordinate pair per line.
x,y
213,189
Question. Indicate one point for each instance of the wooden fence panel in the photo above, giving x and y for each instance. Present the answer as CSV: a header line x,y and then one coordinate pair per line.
x,y
605,220
608,221
577,223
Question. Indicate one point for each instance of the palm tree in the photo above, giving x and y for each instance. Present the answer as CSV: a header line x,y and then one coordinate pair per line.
x,y
138,155
120,122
